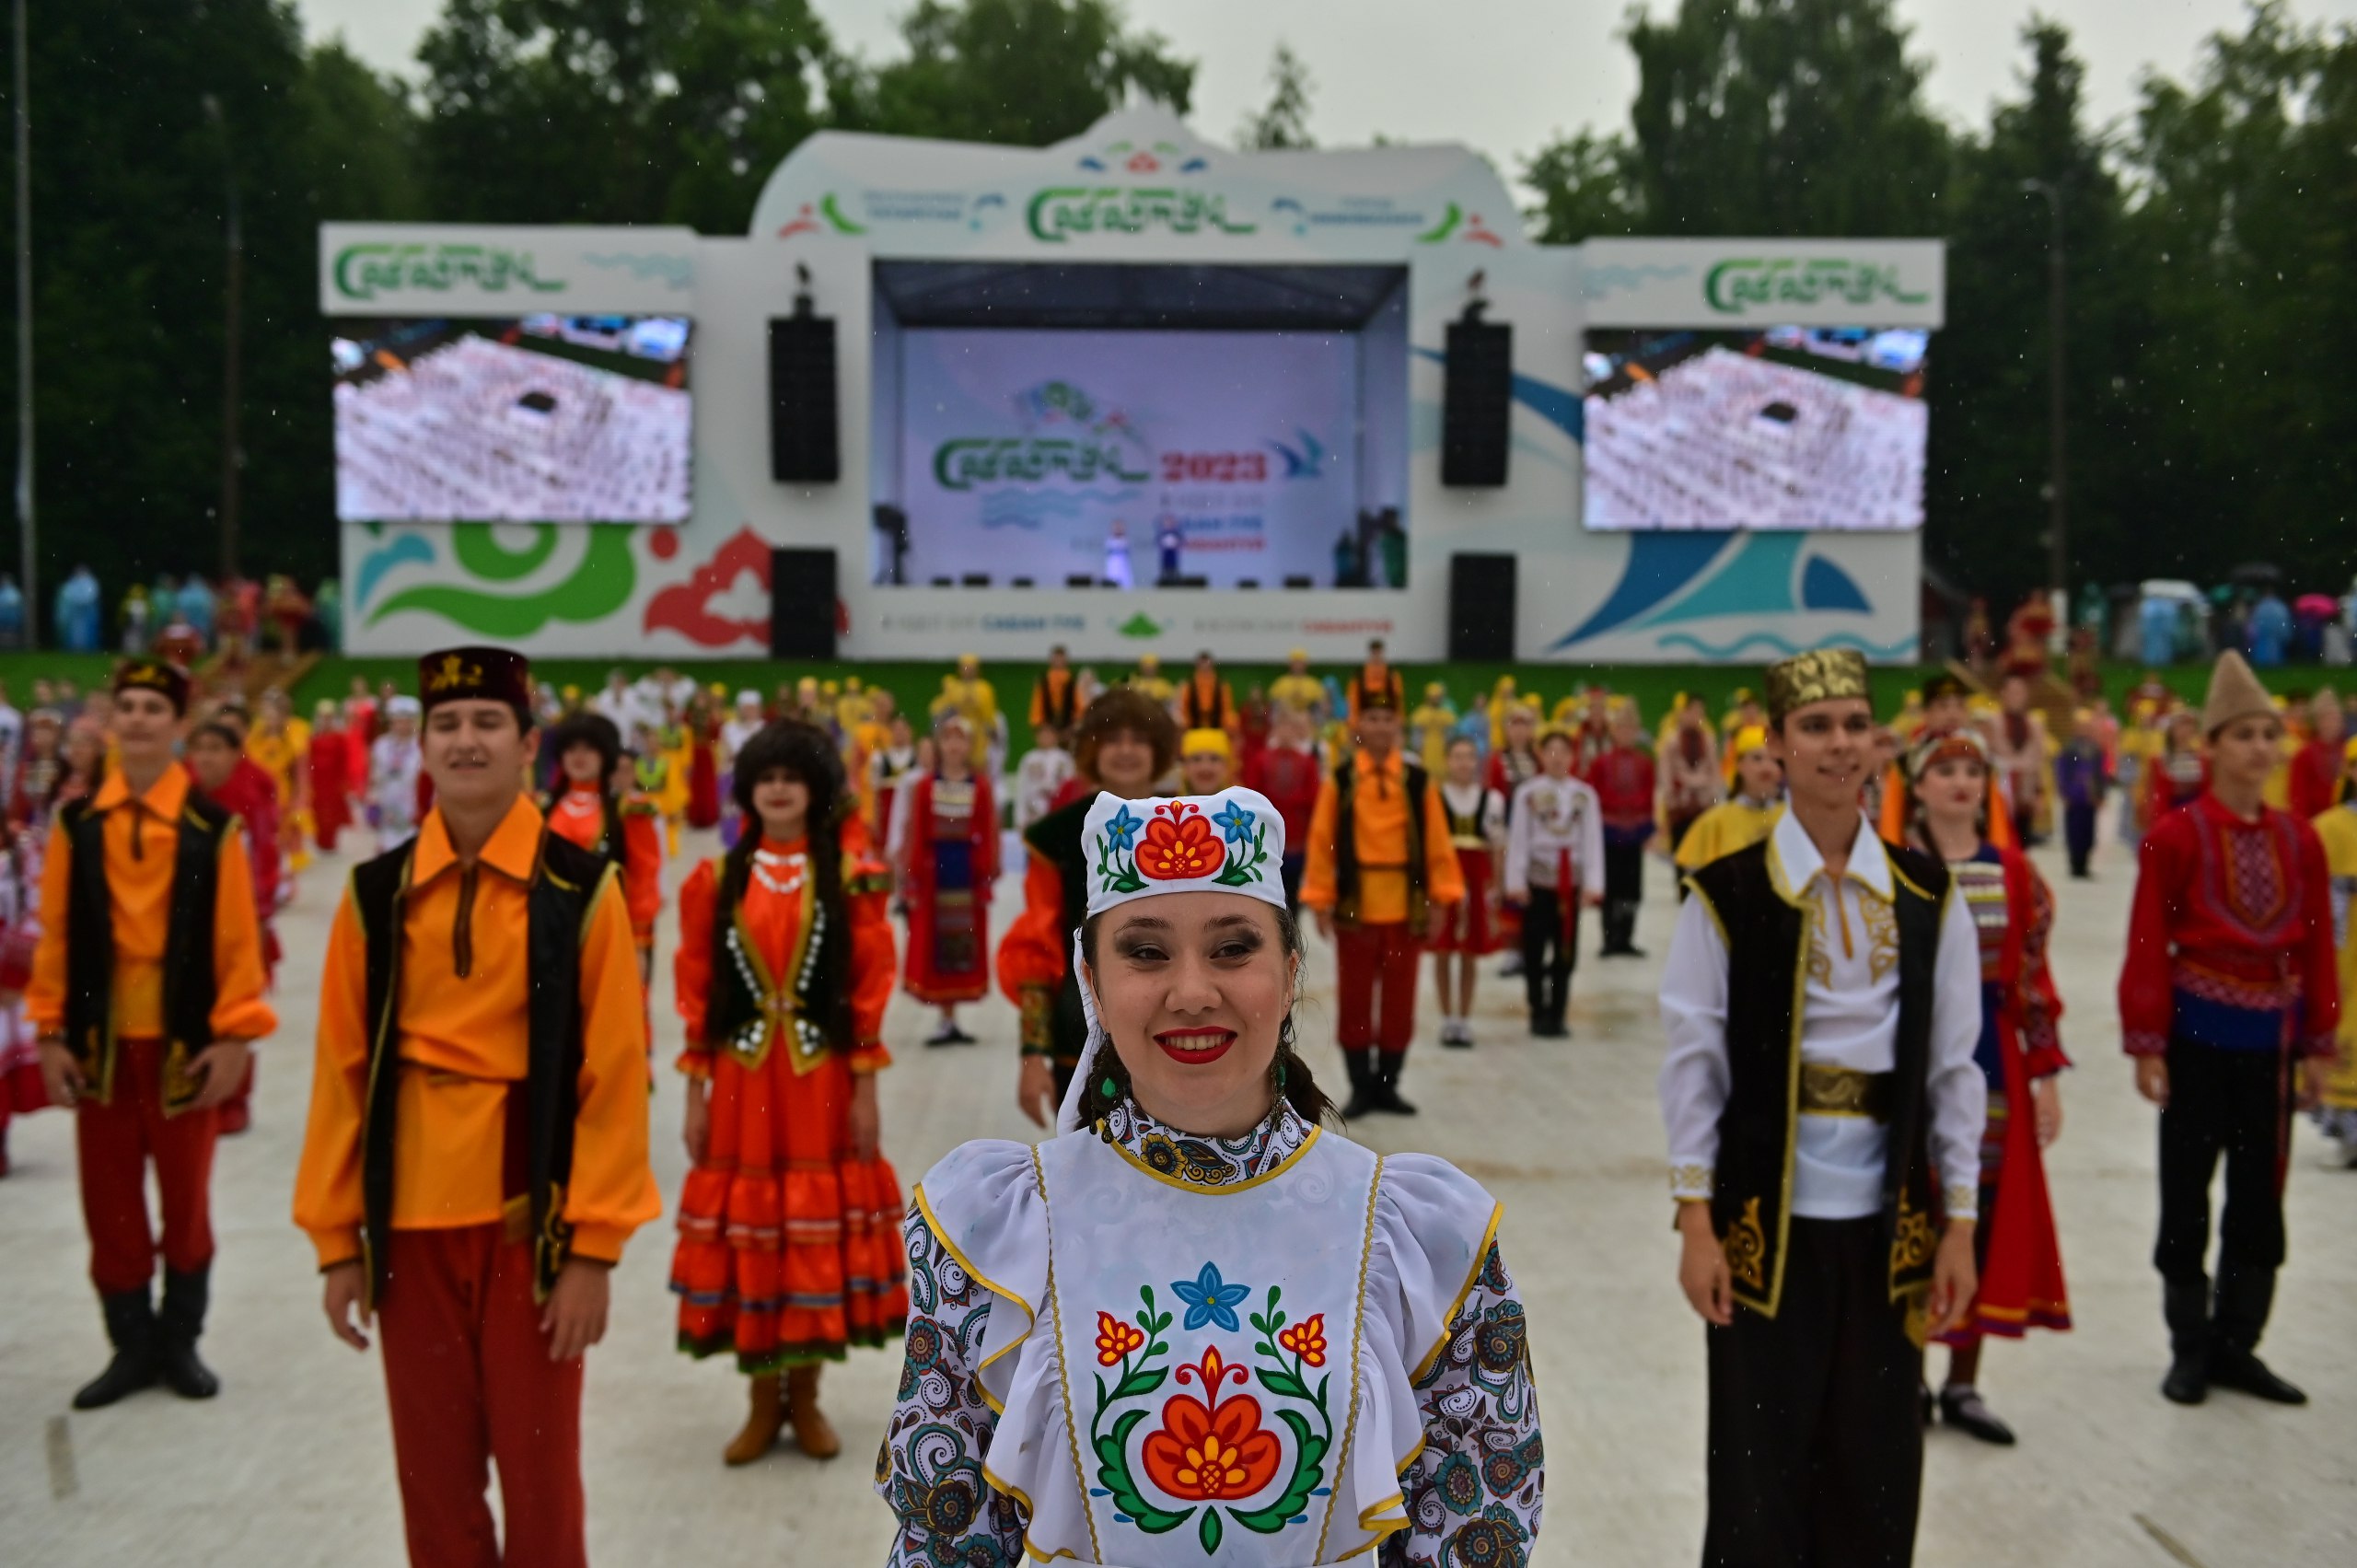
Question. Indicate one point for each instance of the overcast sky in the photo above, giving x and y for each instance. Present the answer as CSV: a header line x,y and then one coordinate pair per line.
x,y
1500,75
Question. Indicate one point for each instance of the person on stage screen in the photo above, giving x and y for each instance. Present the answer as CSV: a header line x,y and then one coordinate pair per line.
x,y
1382,879
1124,744
2230,1007
1274,1345
1477,830
595,810
477,1156
2019,1258
786,1254
1822,1001
145,1000
1554,867
945,841
1117,557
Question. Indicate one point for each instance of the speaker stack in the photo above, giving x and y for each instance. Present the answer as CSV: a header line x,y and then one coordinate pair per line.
x,y
1476,401
802,604
804,428
1480,608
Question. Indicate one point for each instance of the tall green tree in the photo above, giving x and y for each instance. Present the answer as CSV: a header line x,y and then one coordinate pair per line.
x,y
1992,448
1283,121
1024,72
1788,117
1585,186
618,111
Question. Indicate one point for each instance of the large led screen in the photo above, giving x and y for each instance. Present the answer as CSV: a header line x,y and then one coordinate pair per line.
x,y
542,419
1790,428
1127,455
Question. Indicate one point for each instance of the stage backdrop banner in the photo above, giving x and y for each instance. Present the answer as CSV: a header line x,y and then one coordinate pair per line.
x,y
1022,451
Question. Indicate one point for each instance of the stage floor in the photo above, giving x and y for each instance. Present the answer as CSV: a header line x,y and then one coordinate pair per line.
x,y
293,1463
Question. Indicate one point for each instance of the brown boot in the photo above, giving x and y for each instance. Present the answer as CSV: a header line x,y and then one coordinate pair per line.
x,y
813,1434
762,1423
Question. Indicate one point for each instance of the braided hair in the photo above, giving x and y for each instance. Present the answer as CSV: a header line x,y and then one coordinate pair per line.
x,y
804,750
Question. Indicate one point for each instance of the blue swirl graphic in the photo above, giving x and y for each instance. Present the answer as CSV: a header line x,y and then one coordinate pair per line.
x,y
405,548
1903,648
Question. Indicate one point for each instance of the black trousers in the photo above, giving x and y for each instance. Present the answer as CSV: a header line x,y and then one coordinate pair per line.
x,y
2232,1103
1624,892
2079,833
1548,951
1816,1440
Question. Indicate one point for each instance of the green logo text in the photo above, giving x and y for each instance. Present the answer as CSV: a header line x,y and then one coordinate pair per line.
x,y
1735,287
363,271
1061,211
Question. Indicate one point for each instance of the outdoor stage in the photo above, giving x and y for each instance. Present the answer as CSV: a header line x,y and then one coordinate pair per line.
x,y
293,1464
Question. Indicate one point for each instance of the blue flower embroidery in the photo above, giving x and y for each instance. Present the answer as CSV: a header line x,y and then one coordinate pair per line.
x,y
1211,1301
1233,822
1121,829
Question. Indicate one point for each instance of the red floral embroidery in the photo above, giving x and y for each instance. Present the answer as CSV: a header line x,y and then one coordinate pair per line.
x,y
1307,1339
1214,1451
1180,850
1115,1338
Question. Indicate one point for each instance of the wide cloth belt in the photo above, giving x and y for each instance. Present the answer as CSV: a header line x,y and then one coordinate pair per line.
x,y
1828,1090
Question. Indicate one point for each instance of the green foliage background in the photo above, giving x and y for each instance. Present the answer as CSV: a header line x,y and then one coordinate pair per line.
x,y
2211,237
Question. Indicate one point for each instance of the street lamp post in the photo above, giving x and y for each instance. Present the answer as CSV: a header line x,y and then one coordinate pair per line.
x,y
2057,536
232,459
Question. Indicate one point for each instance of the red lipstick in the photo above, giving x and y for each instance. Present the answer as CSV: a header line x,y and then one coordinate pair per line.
x,y
1195,1048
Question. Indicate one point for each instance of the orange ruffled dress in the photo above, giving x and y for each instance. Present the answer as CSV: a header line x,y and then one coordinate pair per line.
x,y
789,1248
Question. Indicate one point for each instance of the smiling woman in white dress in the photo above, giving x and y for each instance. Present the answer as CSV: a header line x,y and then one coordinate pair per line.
x,y
1196,1328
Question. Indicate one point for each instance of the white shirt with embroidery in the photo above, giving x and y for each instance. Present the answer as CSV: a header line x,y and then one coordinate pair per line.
x,y
1848,1019
1551,817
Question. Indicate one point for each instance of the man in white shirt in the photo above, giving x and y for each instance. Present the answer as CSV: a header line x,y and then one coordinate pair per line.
x,y
1554,863
1822,1000
1041,775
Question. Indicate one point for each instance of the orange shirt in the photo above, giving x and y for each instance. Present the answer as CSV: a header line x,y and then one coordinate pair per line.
x,y
774,916
1050,690
1379,835
141,838
465,983
579,814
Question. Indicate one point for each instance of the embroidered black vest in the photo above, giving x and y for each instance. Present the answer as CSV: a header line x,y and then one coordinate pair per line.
x,y
1416,783
562,890
1060,711
1768,942
1056,839
189,967
747,1000
608,847
1199,713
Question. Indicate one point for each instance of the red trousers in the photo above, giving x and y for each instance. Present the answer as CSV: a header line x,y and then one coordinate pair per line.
x,y
1365,955
468,1378
112,1145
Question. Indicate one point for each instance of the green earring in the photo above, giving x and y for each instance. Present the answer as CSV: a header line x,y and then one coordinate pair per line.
x,y
1107,1089
1281,1071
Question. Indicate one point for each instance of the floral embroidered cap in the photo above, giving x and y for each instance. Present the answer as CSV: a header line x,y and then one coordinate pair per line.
x,y
1230,842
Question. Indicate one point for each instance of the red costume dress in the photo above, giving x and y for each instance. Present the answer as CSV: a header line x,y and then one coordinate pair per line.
x,y
704,772
2021,1260
2315,784
252,793
1477,827
2175,779
789,1249
584,815
948,854
330,785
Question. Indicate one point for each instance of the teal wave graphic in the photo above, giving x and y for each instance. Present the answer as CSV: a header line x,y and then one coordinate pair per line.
x,y
404,548
675,271
1782,647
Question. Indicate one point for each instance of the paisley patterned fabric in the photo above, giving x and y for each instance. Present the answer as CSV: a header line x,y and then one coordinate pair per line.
x,y
1473,1495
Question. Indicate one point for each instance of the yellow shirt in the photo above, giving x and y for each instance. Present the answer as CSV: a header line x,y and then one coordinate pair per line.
x,y
1379,835
1726,828
2338,829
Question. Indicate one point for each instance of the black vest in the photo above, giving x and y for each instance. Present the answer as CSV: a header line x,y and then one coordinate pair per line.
x,y
1060,713
734,1013
1416,783
1193,708
1768,940
189,969
1056,838
608,847
562,890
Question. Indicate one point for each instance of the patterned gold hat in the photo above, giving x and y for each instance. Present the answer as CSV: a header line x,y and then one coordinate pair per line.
x,y
1819,676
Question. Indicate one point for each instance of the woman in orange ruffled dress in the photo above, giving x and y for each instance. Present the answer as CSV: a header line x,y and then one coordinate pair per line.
x,y
788,1248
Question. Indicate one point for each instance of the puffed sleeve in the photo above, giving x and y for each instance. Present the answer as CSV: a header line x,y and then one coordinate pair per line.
x,y
1034,951
874,961
692,966
1465,1446
978,1268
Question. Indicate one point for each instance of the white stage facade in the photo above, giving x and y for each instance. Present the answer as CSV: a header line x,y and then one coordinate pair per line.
x,y
1134,356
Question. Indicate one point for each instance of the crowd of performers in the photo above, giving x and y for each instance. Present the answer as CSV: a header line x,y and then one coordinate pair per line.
x,y
1861,1071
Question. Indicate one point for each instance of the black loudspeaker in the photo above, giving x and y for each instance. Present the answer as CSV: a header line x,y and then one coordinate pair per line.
x,y
1476,401
1480,608
802,604
803,446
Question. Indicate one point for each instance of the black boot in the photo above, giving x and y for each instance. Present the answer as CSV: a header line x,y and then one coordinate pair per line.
x,y
2187,1308
180,1323
131,1328
1384,1089
2245,1298
1360,1064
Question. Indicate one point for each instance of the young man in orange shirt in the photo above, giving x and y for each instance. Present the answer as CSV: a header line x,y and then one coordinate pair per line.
x,y
1382,878
146,995
476,1157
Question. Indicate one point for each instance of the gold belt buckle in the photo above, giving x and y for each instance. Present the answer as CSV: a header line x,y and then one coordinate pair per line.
x,y
1828,1090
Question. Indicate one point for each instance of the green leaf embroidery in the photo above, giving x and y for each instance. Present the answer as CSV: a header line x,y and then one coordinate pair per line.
x,y
1306,1473
1113,1470
1208,1532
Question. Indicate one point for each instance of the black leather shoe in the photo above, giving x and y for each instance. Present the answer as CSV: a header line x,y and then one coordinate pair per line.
x,y
178,1326
131,1326
2231,1367
2187,1382
1360,1068
1384,1083
1966,1412
2186,1306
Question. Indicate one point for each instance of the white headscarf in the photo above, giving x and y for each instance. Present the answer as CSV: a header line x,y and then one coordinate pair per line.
x,y
1230,842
